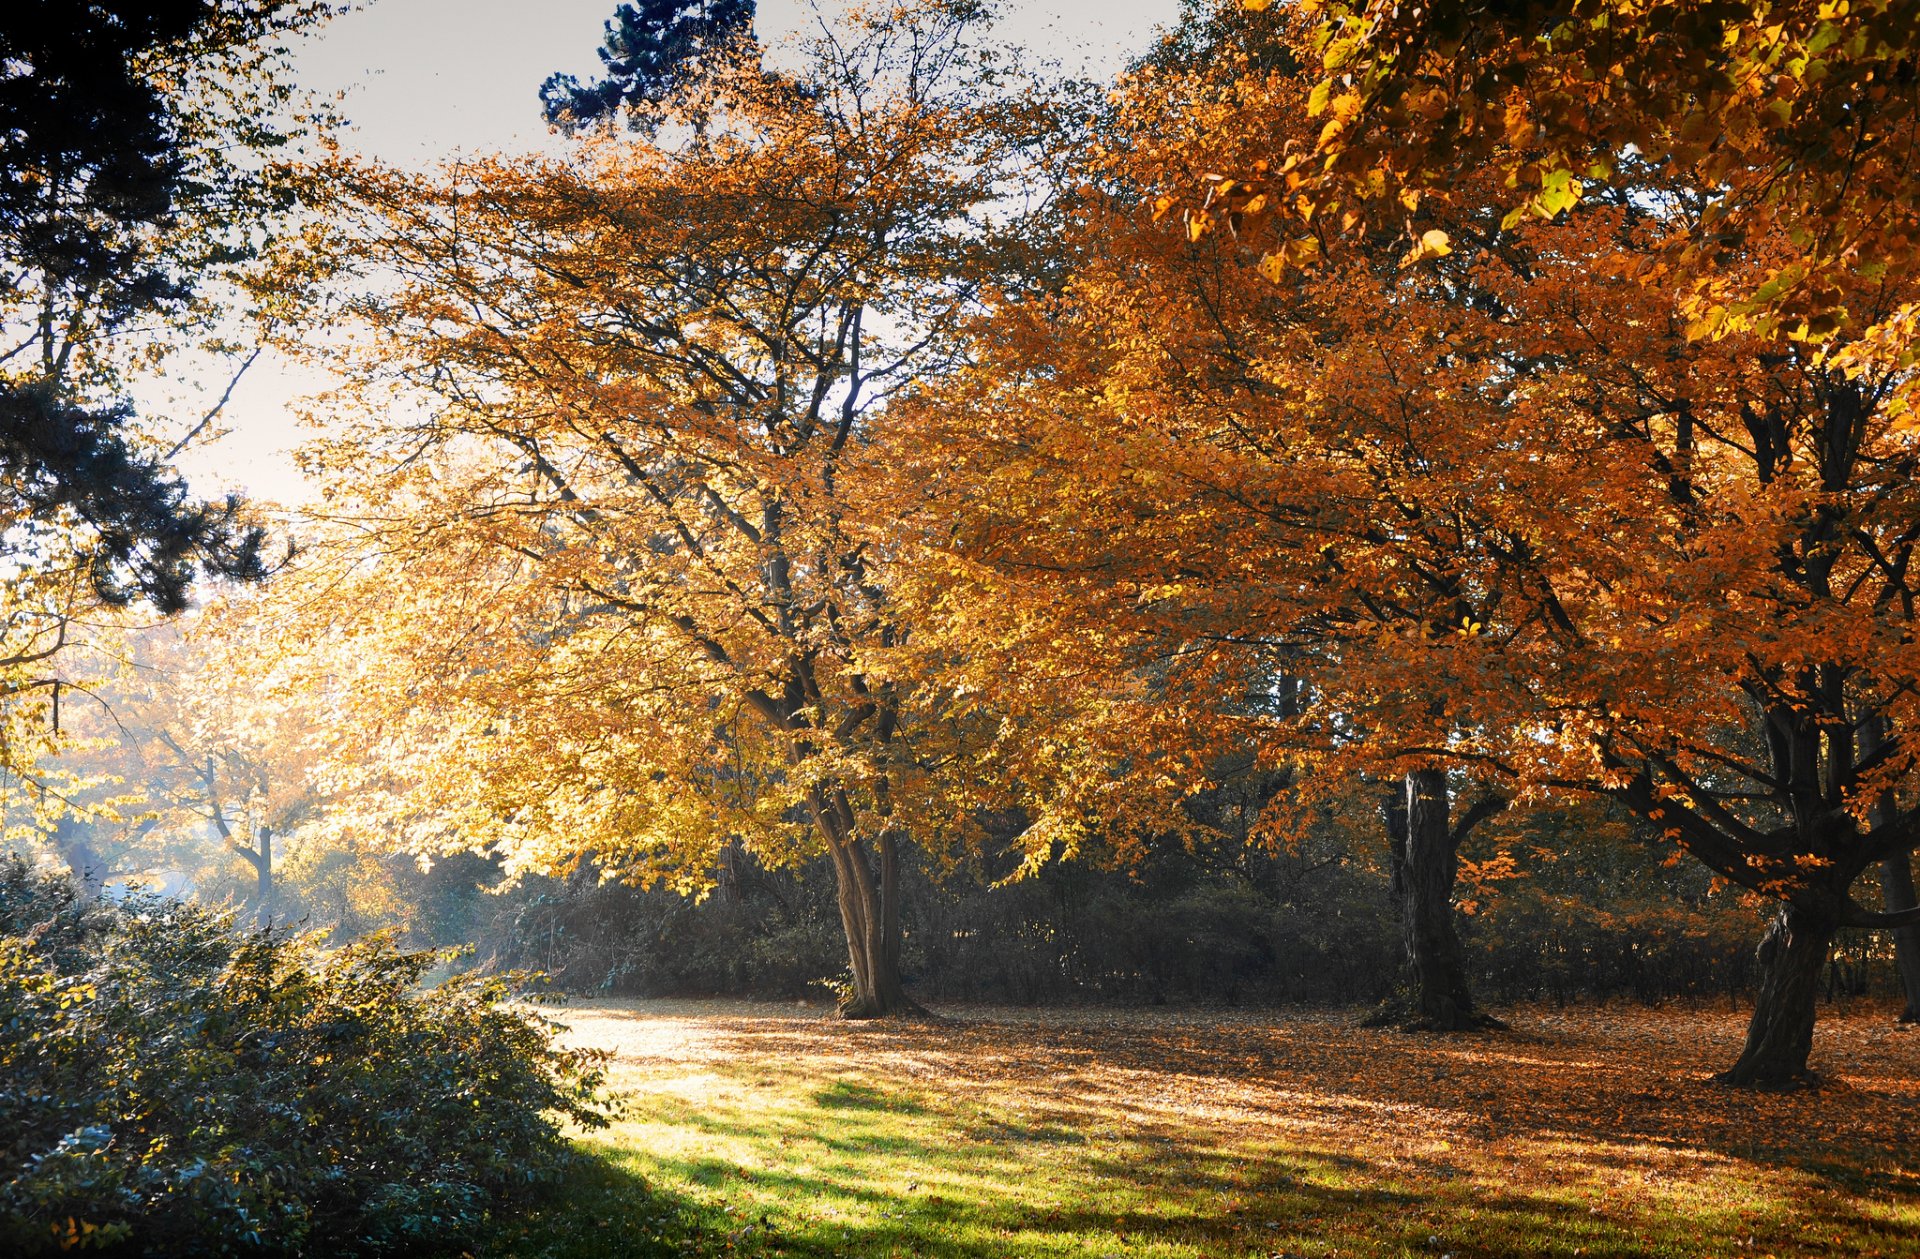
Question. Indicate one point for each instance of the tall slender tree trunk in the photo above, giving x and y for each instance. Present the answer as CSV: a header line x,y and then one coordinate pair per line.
x,y
263,877
1780,1036
729,872
1896,883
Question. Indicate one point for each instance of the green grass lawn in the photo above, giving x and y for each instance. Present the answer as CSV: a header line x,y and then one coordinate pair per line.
x,y
765,1131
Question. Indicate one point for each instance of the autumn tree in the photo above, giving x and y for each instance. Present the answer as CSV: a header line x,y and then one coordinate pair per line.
x,y
171,768
1536,514
1782,259
588,537
1177,493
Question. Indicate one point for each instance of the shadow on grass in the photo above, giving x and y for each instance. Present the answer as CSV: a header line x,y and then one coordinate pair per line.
x,y
1554,1086
846,1095
990,1138
1169,1195
605,1210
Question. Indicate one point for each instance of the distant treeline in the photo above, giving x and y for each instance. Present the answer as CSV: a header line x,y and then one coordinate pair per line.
x,y
1600,920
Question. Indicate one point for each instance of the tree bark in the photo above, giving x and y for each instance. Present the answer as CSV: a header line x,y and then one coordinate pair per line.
x,y
727,875
1792,954
1896,883
869,912
1422,860
1440,999
263,878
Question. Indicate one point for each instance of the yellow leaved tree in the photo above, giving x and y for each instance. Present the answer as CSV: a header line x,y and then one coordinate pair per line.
x,y
592,568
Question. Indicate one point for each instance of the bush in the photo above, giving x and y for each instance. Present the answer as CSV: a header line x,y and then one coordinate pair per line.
x,y
172,1085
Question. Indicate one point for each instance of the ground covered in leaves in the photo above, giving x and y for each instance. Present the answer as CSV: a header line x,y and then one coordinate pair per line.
x,y
766,1130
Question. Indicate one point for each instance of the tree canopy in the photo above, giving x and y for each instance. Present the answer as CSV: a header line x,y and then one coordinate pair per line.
x,y
125,138
652,52
618,486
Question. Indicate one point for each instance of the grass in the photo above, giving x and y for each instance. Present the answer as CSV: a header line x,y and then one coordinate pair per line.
x,y
762,1131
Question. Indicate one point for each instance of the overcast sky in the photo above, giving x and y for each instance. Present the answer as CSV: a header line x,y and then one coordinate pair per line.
x,y
426,79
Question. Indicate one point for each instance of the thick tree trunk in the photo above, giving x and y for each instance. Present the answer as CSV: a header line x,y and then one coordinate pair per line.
x,y
1440,999
1896,883
1422,860
870,914
1780,1036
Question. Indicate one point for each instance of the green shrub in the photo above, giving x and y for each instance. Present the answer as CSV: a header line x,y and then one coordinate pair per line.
x,y
172,1085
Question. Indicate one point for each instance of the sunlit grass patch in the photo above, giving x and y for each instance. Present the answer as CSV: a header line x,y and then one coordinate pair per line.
x,y
1182,1137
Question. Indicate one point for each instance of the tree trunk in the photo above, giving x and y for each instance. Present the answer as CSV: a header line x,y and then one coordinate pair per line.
x,y
870,914
727,875
1440,1000
1896,883
263,878
1792,954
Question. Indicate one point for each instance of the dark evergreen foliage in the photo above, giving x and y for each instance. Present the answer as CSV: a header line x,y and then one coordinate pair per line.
x,y
86,144
171,1085
93,171
150,538
651,50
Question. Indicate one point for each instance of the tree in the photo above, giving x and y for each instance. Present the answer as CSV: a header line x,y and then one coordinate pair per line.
x,y
1513,513
652,53
1180,493
174,765
1797,254
124,179
596,560
135,183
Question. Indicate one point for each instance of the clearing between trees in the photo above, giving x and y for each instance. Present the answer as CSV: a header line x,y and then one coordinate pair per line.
x,y
772,1130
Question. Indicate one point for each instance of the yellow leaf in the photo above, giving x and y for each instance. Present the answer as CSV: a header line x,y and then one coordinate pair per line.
x,y
1432,244
1559,190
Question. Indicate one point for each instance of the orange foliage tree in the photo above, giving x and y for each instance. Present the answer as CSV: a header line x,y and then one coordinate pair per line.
x,y
589,539
1178,495
1481,478
1789,129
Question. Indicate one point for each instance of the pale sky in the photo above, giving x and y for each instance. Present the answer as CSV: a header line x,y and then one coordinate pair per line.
x,y
424,80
